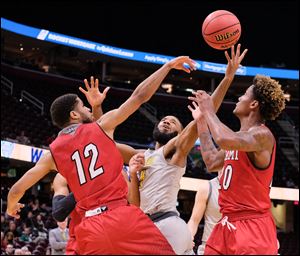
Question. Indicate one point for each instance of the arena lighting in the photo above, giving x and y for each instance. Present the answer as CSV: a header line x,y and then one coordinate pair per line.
x,y
167,87
154,58
287,96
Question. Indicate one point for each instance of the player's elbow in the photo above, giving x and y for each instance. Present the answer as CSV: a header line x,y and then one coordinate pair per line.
x,y
224,142
16,191
211,164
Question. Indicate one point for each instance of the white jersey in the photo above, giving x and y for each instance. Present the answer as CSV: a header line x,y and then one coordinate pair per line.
x,y
159,184
212,213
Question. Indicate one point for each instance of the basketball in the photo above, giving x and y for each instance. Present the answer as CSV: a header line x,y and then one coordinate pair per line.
x,y
221,29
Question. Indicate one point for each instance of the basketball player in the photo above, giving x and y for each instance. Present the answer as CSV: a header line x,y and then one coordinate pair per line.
x,y
160,182
86,155
247,158
206,203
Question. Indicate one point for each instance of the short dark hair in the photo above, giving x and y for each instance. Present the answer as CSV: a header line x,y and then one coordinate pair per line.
x,y
270,96
60,109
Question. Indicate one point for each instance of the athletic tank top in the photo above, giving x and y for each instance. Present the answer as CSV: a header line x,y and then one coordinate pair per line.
x,y
91,164
159,184
245,189
212,212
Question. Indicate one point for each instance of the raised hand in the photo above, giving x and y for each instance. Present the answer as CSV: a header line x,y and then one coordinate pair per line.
x,y
180,64
196,113
92,94
14,212
204,101
235,60
136,163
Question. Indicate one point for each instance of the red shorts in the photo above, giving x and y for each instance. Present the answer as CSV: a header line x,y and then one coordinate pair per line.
x,y
253,235
122,230
71,246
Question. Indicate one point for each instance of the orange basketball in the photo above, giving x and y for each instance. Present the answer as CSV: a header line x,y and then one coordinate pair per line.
x,y
221,29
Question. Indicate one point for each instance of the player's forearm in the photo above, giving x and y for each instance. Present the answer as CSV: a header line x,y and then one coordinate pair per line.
x,y
149,86
97,112
13,197
220,92
187,138
133,190
193,226
220,132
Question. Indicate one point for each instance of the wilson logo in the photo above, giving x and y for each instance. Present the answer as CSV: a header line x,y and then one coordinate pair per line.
x,y
221,37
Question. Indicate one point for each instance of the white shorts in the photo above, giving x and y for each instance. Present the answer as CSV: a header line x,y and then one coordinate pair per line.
x,y
177,233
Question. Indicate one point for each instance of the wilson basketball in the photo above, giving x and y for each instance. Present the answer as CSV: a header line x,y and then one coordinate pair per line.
x,y
221,29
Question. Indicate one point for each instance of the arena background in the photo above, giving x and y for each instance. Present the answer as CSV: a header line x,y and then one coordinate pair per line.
x,y
34,72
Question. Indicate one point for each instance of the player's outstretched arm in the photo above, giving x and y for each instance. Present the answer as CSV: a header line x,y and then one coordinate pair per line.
x,y
233,63
31,177
143,93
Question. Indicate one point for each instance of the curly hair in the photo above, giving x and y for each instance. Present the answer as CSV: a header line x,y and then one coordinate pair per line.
x,y
60,109
270,96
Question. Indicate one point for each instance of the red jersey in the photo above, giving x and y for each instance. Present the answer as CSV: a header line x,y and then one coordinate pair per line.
x,y
243,187
91,164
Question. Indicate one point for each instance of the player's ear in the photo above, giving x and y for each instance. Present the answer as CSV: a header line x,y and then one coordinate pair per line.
x,y
254,104
74,115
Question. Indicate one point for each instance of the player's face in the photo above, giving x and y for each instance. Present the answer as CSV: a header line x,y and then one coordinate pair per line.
x,y
85,113
169,124
166,129
243,106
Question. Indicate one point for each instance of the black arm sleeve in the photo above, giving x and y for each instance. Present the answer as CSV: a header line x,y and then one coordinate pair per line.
x,y
62,206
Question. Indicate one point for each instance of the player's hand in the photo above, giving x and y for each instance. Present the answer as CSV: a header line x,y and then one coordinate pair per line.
x,y
184,63
92,94
14,211
235,60
204,102
136,163
196,113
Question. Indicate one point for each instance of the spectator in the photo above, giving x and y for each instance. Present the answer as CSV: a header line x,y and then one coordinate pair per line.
x,y
58,238
29,220
18,251
26,235
12,228
9,249
25,250
22,138
40,233
3,241
35,206
4,224
9,237
39,221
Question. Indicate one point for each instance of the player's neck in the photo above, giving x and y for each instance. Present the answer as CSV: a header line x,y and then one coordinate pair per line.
x,y
158,145
250,121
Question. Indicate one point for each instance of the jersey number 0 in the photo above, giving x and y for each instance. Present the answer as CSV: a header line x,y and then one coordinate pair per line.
x,y
89,150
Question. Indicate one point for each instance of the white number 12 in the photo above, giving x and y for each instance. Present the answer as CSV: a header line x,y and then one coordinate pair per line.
x,y
89,150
